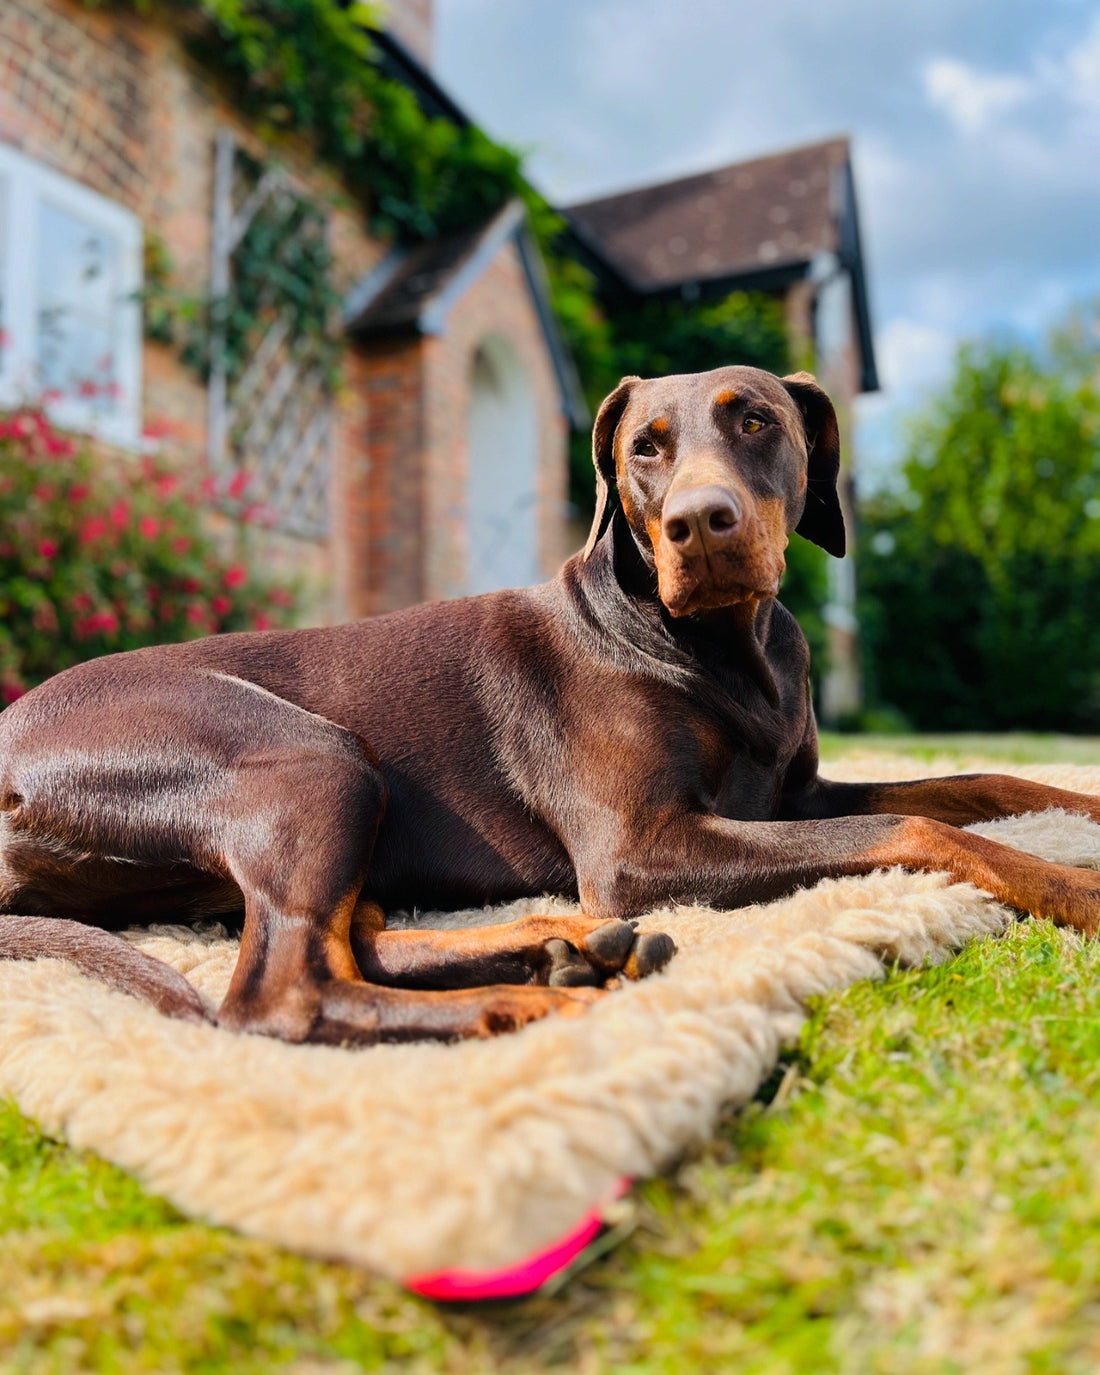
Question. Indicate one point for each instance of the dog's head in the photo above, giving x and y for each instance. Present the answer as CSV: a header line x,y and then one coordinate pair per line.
x,y
713,470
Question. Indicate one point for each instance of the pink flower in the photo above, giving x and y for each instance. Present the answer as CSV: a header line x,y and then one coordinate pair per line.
x,y
87,388
79,491
221,606
120,514
166,485
261,622
235,576
94,528
181,544
48,549
239,483
11,692
57,447
149,527
196,613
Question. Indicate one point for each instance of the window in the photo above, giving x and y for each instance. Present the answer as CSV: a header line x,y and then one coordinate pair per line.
x,y
70,321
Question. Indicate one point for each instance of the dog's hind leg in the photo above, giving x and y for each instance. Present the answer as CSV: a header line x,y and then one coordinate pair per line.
x,y
103,956
292,824
297,833
167,790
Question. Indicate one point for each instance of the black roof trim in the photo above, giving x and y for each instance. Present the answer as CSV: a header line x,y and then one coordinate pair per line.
x,y
851,256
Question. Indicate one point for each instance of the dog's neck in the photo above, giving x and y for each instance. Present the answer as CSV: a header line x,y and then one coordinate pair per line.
x,y
618,583
737,633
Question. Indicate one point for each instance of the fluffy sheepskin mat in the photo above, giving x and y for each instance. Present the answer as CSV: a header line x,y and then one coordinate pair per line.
x,y
415,1159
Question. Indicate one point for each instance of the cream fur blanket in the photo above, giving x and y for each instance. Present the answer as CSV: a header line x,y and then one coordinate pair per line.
x,y
410,1159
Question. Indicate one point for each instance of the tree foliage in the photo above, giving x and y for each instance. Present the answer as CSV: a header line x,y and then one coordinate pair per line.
x,y
981,576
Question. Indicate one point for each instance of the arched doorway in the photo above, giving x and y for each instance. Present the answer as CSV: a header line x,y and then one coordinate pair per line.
x,y
502,544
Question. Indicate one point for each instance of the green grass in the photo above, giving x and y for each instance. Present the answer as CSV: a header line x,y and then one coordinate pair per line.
x,y
1014,747
917,1189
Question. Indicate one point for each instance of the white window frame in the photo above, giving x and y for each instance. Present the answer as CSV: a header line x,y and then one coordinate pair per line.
x,y
24,185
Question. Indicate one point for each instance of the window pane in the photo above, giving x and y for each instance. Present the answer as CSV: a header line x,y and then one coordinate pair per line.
x,y
78,268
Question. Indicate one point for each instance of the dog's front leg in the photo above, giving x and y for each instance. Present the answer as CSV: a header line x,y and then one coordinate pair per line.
x,y
701,858
958,800
565,952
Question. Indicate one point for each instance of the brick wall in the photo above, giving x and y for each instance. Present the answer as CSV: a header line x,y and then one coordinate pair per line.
x,y
409,511
390,528
113,101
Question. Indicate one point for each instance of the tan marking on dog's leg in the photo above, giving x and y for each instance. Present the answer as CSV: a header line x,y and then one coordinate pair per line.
x,y
558,951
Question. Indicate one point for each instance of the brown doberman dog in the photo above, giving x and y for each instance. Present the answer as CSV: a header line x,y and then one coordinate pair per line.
x,y
636,732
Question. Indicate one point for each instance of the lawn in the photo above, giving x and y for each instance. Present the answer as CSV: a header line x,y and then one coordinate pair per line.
x,y
917,1188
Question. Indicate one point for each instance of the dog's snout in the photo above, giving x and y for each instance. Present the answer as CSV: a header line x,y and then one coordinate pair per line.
x,y
700,519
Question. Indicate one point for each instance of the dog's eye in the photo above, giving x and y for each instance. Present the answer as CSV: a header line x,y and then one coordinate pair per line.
x,y
751,424
645,448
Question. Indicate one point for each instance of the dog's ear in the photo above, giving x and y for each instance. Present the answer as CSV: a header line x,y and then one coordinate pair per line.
x,y
603,456
822,520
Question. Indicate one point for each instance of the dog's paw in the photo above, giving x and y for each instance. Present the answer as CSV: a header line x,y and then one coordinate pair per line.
x,y
592,952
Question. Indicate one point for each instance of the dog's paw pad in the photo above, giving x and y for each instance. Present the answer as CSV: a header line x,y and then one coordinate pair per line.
x,y
610,944
568,967
652,951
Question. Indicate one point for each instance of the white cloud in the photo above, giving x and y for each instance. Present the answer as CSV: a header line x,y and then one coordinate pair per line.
x,y
1082,69
972,99
914,354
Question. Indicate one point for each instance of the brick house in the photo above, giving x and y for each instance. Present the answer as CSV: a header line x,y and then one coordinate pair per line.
x,y
786,225
449,428
439,465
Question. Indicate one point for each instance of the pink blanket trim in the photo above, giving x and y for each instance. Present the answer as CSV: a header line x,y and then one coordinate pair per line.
x,y
511,1281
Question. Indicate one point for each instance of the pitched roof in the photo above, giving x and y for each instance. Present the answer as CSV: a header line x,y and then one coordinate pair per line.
x,y
756,225
752,216
413,289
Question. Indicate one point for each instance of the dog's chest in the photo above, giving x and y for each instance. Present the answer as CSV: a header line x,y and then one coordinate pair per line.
x,y
745,777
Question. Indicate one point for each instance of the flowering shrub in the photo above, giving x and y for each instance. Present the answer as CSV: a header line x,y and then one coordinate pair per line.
x,y
95,559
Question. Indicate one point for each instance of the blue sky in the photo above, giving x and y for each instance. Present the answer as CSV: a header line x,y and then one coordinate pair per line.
x,y
975,128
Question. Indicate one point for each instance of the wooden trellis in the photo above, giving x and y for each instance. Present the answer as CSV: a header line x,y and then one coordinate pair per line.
x,y
270,398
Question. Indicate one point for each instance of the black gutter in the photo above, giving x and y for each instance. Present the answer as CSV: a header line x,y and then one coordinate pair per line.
x,y
851,255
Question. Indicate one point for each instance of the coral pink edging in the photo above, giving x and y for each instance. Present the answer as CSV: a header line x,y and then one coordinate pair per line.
x,y
511,1281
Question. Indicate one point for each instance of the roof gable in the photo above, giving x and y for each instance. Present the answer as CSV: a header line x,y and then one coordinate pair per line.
x,y
753,215
414,288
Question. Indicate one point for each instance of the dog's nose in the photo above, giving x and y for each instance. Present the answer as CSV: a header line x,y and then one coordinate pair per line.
x,y
700,520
